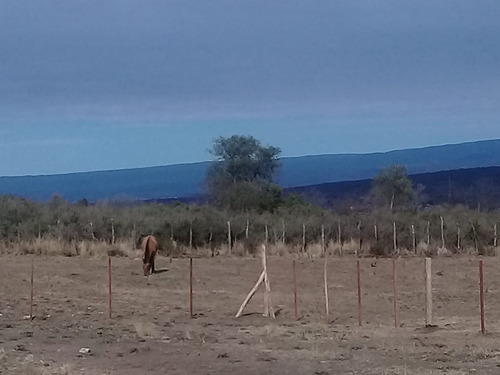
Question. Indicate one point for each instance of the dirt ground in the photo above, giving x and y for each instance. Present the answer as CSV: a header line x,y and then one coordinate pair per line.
x,y
151,331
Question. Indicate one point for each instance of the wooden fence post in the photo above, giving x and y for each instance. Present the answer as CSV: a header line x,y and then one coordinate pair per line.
x,y
428,230
229,242
481,294
191,235
112,231
295,291
442,232
268,303
323,243
428,291
340,237
283,231
395,242
303,238
414,238
325,276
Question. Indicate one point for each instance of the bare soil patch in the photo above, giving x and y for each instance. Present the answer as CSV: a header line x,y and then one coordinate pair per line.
x,y
151,331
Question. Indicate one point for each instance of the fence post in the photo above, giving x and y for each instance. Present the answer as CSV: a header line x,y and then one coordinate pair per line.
x,y
31,291
303,238
229,235
442,232
191,287
323,243
109,287
359,293
428,291
481,294
283,231
325,276
394,235
395,290
414,238
295,291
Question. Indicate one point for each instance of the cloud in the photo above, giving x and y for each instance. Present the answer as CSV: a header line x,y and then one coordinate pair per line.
x,y
169,60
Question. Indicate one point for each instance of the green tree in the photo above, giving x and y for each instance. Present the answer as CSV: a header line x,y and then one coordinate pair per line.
x,y
392,187
242,176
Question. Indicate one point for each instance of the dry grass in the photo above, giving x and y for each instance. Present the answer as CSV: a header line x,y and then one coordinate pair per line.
x,y
101,250
52,247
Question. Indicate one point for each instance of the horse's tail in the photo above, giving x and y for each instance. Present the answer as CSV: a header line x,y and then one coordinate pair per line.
x,y
147,253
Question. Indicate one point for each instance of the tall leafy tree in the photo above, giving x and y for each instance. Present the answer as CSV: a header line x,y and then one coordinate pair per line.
x,y
392,187
242,176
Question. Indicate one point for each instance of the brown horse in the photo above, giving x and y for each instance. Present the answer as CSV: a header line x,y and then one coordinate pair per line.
x,y
149,246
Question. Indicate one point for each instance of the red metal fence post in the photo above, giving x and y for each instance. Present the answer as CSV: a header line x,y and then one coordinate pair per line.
x,y
191,287
395,289
481,294
109,286
359,294
31,291
295,291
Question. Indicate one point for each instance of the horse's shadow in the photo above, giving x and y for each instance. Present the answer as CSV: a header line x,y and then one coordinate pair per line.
x,y
161,270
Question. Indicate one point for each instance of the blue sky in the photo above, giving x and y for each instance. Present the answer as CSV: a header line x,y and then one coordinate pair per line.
x,y
92,85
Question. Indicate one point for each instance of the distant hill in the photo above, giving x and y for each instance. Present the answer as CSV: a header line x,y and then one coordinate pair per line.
x,y
472,187
186,180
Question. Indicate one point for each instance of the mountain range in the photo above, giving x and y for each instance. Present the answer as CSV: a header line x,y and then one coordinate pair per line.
x,y
186,180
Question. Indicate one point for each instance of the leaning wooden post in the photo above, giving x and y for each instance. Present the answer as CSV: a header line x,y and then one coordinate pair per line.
x,y
268,307
109,287
31,291
359,293
481,294
295,291
395,291
428,291
250,295
325,276
191,287
495,238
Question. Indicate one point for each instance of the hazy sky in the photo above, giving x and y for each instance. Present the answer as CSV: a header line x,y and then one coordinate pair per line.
x,y
92,84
